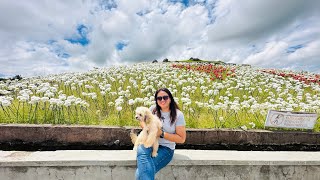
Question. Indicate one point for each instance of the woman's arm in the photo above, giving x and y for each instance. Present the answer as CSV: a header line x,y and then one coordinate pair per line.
x,y
179,137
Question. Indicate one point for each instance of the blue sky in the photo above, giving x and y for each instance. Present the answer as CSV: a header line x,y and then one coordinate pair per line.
x,y
45,37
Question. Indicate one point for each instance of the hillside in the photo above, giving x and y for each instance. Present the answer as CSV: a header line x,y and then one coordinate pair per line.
x,y
210,95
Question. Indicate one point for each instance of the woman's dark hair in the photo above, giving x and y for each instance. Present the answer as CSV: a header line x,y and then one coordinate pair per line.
x,y
173,105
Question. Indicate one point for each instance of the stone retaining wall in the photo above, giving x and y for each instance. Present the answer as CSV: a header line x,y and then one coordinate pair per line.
x,y
22,137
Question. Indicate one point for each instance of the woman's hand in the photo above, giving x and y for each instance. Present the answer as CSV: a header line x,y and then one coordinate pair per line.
x,y
159,132
178,137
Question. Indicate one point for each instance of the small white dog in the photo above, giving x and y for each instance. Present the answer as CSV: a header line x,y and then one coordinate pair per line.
x,y
148,135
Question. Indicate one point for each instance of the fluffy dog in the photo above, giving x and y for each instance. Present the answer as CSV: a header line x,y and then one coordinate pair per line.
x,y
148,136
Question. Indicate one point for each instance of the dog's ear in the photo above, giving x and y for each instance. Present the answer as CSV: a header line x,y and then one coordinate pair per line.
x,y
147,115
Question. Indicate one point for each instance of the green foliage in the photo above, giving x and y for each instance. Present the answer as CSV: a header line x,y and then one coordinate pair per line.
x,y
110,96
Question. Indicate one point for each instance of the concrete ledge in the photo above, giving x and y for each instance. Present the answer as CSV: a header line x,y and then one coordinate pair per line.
x,y
186,164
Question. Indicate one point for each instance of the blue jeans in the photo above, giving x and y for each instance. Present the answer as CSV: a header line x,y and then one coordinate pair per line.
x,y
148,166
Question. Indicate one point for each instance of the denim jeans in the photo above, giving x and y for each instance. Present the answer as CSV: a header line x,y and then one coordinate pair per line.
x,y
148,166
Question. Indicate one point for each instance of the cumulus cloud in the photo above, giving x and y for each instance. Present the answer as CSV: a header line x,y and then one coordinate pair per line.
x,y
271,54
260,33
252,20
58,36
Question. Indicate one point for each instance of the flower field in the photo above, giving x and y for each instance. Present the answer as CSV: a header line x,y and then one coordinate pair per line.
x,y
210,96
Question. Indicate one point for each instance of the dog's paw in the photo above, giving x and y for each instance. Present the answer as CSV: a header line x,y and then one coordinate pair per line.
x,y
132,132
154,154
133,137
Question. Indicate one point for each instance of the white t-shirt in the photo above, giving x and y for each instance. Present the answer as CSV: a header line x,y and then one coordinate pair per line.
x,y
167,127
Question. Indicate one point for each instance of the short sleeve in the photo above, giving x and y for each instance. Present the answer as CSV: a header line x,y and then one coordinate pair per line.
x,y
152,109
180,119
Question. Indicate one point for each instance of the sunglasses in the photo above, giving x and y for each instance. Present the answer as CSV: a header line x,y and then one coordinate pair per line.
x,y
159,98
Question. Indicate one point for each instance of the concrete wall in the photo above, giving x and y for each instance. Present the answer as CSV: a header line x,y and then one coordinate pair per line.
x,y
168,173
22,137
187,164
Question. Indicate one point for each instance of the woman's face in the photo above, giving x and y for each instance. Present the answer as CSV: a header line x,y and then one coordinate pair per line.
x,y
163,100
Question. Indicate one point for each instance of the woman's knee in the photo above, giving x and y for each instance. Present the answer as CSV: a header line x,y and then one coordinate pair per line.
x,y
141,150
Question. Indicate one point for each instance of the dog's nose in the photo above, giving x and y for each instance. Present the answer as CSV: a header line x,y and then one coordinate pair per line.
x,y
136,117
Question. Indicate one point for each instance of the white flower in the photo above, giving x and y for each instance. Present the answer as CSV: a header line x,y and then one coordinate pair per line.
x,y
88,86
138,100
216,107
34,100
53,101
62,97
23,98
131,102
84,94
200,105
4,92
108,86
93,95
71,98
113,93
48,94
119,101
67,103
59,102
215,92
263,112
78,101
252,124
186,101
5,102
98,112
244,127
84,104
148,103
44,99
119,108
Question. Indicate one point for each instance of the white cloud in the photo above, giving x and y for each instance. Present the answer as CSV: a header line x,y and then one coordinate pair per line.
x,y
41,20
271,54
252,20
280,34
159,32
310,52
260,33
30,59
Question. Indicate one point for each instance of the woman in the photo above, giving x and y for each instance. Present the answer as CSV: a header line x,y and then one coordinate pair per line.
x,y
173,131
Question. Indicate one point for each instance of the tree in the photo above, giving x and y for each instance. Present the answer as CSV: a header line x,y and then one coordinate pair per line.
x,y
165,60
17,77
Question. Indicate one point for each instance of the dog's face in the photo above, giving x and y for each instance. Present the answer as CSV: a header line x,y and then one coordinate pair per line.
x,y
142,113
